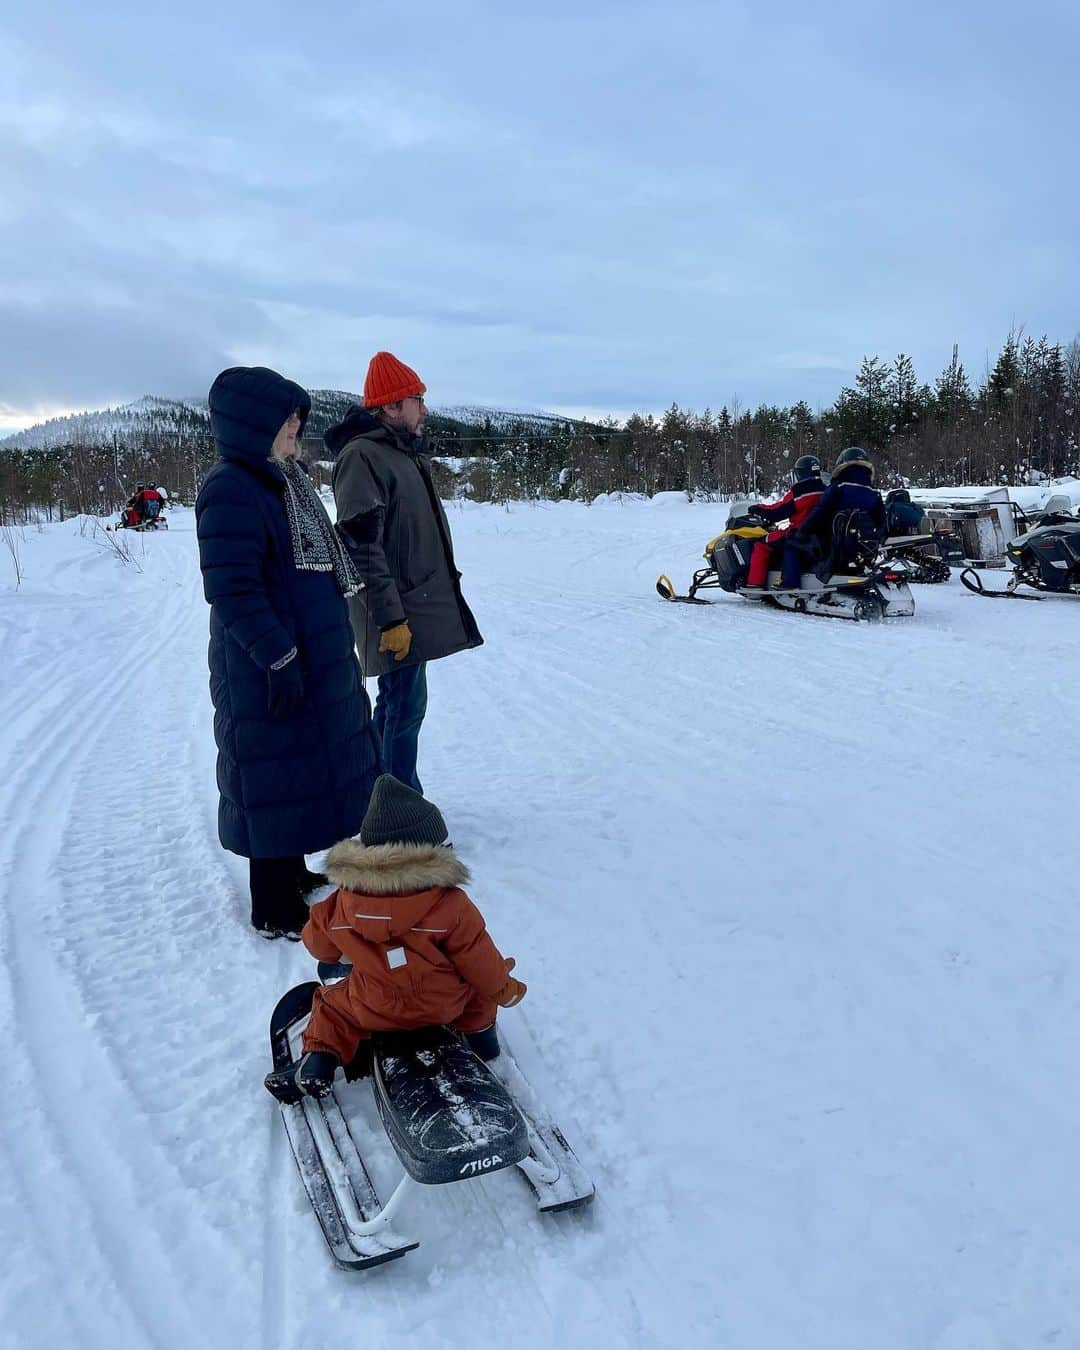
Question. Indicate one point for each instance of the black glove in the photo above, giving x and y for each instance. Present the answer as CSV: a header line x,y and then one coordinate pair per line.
x,y
286,687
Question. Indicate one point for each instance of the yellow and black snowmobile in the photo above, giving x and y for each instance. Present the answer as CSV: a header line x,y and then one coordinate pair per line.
x,y
846,585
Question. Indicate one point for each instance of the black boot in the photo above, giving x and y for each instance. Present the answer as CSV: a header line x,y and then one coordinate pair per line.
x,y
313,1076
485,1043
315,1072
277,909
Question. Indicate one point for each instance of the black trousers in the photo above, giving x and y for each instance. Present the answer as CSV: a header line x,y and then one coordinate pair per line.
x,y
275,892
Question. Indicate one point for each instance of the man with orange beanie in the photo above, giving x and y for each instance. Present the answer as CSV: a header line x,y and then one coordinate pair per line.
x,y
411,610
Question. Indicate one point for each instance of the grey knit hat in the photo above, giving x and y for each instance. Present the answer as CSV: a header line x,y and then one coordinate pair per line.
x,y
398,815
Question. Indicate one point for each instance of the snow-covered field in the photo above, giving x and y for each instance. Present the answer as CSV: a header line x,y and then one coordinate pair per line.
x,y
796,901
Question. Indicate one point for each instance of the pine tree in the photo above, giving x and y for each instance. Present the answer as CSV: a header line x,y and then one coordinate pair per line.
x,y
1005,377
903,395
802,429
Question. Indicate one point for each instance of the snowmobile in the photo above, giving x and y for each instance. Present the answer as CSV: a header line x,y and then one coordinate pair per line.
x,y
155,523
148,515
1046,558
848,584
448,1115
915,557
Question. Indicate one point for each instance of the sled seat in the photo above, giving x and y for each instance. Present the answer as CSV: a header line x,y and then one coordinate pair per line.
x,y
446,1114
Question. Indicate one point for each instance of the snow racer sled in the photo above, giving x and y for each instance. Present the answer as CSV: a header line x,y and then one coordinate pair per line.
x,y
848,584
1047,558
448,1115
916,558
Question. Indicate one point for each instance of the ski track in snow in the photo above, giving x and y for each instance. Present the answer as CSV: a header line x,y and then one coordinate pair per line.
x,y
793,898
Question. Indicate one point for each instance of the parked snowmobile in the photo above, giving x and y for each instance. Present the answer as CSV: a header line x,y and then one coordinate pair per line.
x,y
1046,558
848,584
915,557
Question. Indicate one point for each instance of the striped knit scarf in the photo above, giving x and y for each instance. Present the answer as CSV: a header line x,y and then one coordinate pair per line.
x,y
316,546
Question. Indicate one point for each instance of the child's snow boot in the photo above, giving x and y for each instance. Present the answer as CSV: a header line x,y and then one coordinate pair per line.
x,y
315,1072
485,1043
313,1076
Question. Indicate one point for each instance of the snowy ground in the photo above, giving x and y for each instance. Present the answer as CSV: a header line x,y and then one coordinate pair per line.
x,y
795,900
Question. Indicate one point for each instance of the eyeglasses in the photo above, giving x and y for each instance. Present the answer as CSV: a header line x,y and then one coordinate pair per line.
x,y
420,399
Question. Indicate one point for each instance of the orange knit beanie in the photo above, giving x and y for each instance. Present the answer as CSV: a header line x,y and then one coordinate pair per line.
x,y
389,381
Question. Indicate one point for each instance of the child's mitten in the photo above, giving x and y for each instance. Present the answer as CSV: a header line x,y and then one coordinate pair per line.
x,y
513,991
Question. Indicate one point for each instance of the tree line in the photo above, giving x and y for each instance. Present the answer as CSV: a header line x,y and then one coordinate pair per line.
x,y
1020,423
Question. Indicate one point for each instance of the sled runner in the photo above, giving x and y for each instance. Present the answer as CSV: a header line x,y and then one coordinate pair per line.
x,y
355,1223
849,584
448,1115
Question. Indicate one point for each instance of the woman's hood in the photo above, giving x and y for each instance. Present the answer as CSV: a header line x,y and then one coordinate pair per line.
x,y
248,407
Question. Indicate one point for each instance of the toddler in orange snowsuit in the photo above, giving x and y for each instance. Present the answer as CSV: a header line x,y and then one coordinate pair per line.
x,y
419,949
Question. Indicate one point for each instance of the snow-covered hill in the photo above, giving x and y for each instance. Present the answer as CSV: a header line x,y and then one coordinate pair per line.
x,y
128,423
795,901
150,415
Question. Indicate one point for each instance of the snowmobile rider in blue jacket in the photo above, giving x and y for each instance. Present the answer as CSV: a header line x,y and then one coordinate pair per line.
x,y
851,489
904,516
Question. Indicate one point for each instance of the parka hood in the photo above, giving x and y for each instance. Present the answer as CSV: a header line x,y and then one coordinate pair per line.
x,y
387,889
855,471
394,869
248,405
361,421
358,421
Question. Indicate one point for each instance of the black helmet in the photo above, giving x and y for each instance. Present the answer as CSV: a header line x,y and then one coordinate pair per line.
x,y
852,455
140,487
806,466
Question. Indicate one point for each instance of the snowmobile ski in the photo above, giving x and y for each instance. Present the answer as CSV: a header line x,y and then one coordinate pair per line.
x,y
355,1224
974,582
665,589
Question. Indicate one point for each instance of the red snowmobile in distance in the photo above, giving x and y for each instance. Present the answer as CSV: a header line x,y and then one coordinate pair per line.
x,y
144,509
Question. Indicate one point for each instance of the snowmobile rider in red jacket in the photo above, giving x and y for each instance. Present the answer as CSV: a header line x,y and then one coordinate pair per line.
x,y
795,505
144,504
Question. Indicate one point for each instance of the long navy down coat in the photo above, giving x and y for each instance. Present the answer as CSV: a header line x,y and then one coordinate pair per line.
x,y
297,784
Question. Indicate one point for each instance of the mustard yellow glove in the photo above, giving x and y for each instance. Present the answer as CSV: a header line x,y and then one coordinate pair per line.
x,y
397,640
513,991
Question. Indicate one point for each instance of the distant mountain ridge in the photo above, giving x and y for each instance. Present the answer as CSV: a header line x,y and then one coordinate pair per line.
x,y
152,417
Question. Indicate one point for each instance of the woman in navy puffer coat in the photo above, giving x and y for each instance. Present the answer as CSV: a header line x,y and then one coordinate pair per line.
x,y
296,755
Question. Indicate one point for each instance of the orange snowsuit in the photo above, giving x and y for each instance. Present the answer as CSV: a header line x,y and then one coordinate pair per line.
x,y
420,952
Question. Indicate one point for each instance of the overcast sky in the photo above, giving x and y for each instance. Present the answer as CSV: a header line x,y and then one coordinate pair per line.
x,y
576,206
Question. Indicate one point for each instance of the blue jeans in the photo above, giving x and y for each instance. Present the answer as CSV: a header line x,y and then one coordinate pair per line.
x,y
399,715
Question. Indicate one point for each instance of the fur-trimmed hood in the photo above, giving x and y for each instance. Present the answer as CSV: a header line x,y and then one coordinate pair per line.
x,y
393,869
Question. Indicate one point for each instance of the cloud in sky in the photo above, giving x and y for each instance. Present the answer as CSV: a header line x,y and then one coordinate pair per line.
x,y
608,206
